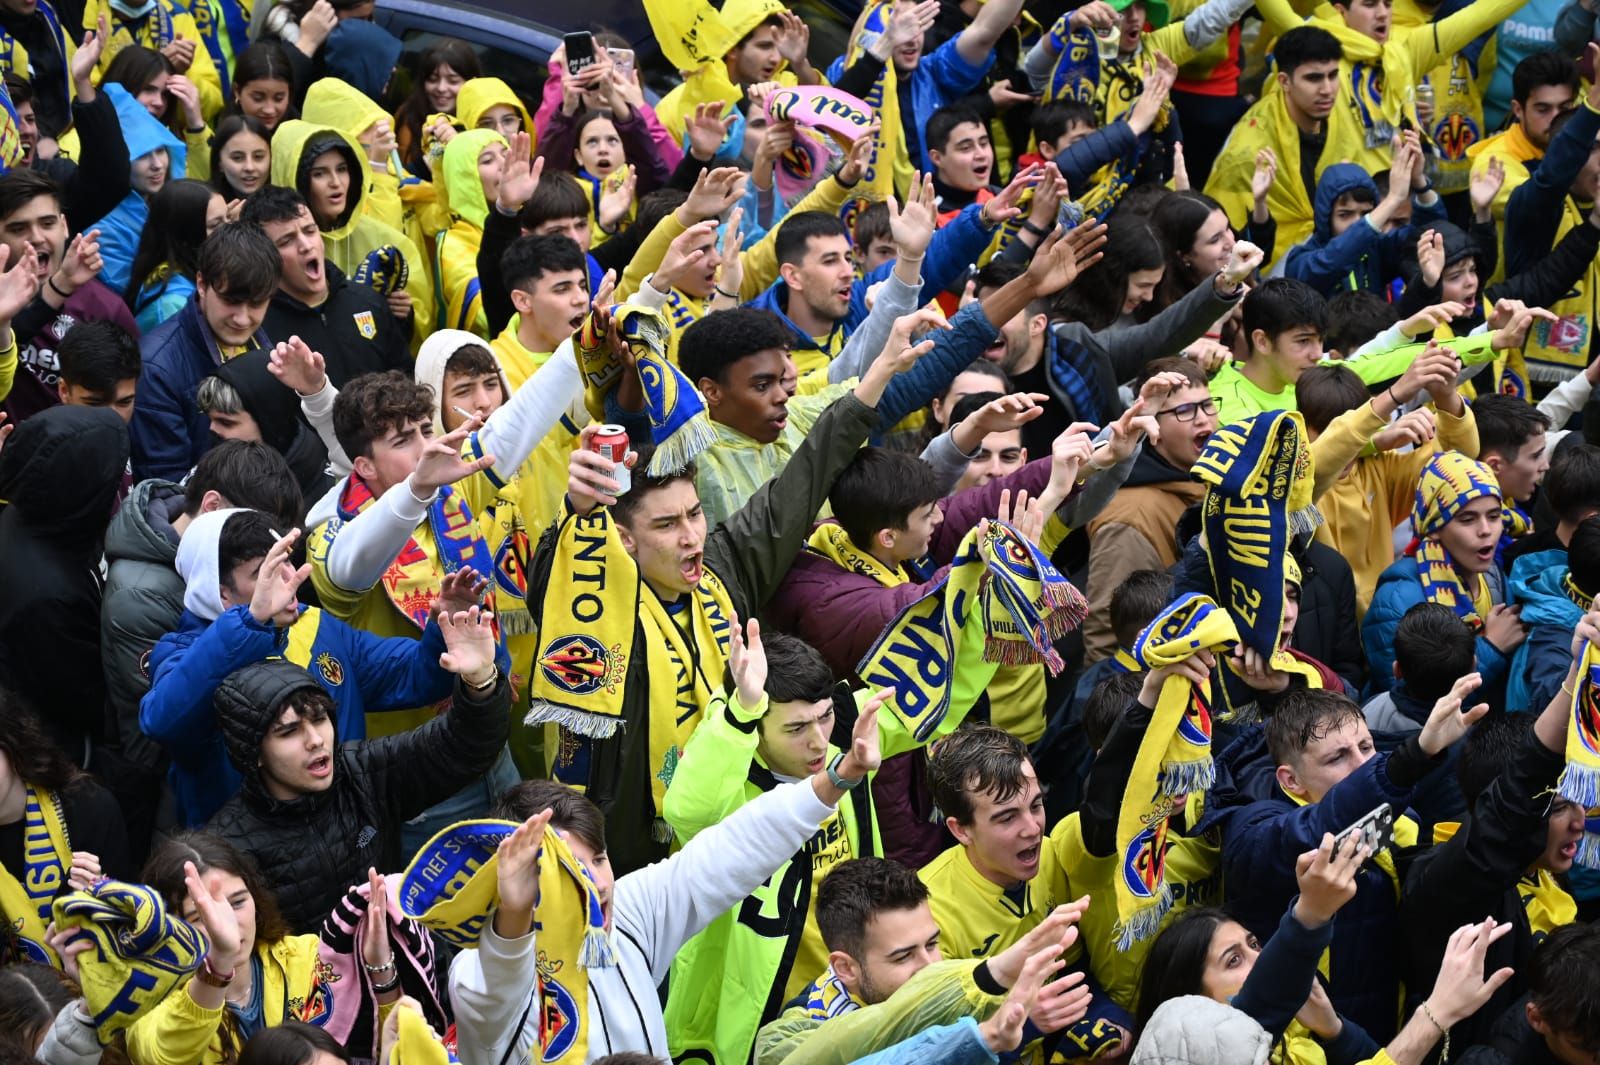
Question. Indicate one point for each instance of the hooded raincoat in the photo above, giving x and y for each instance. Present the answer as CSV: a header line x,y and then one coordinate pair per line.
x,y
461,305
121,228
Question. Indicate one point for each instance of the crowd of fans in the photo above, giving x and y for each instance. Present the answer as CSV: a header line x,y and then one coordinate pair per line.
x,y
1060,533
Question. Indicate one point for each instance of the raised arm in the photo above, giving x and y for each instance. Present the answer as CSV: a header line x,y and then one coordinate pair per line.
x,y
976,42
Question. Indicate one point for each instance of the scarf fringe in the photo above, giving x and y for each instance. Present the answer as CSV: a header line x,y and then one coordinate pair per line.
x,y
1186,778
595,952
1145,923
1242,714
517,621
1008,651
1580,784
1589,851
594,726
1305,521
660,831
682,446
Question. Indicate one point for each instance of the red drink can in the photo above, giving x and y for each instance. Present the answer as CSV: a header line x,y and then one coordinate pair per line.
x,y
611,441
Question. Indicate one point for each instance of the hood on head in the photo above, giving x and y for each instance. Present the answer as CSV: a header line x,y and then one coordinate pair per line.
x,y
742,16
296,143
198,563
1457,246
457,177
336,104
275,408
143,132
435,354
1193,1030
247,702
361,53
480,94
61,469
1337,180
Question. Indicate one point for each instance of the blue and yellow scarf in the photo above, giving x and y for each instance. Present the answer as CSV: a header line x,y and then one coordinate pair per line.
x,y
1447,484
46,857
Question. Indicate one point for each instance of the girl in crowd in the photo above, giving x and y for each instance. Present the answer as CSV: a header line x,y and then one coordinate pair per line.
x,y
156,156
263,85
1199,239
442,69
241,157
1121,282
182,216
170,97
469,180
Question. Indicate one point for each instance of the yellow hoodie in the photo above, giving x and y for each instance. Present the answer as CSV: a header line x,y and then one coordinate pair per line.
x,y
348,245
695,36
457,266
479,94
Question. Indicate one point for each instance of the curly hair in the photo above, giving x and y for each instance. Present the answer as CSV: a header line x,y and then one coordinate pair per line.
x,y
378,403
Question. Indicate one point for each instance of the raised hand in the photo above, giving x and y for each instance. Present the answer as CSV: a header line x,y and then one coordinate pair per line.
x,y
912,225
1005,205
707,129
376,951
1327,878
1006,413
1435,370
864,756
730,276
180,53
469,645
794,38
1430,256
1002,1032
1180,169
1462,989
87,57
18,285
273,602
1026,514
908,23
1430,318
228,949
1485,186
517,876
747,662
459,591
294,364
1047,197
1449,720
713,193
1196,669
1004,97
617,197
1057,932
1059,258
1415,428
684,256
81,263
315,26
1208,354
1095,15
856,159
1265,174
441,462
521,177
1072,448
1515,333
1256,670
1242,262
1157,87
1061,1004
590,480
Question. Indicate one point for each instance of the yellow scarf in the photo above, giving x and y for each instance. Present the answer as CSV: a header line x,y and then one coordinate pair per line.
x,y
1173,762
1546,902
831,542
46,858
890,167
1580,781
1446,485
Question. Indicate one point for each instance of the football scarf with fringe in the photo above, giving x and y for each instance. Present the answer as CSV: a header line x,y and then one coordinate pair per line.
x,y
1580,781
596,615
450,888
46,857
889,166
1026,605
831,542
1077,75
1258,499
1173,761
140,952
1447,484
680,427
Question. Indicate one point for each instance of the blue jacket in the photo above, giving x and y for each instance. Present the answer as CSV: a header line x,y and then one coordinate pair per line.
x,y
1398,591
123,225
362,673
942,77
960,1043
1360,257
1264,831
1539,666
169,432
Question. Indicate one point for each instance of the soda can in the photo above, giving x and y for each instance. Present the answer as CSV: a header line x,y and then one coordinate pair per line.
x,y
611,441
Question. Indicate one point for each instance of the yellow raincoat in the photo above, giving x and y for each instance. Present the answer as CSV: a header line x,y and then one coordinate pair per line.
x,y
457,256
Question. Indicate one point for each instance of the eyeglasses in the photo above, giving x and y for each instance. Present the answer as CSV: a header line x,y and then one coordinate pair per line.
x,y
1187,412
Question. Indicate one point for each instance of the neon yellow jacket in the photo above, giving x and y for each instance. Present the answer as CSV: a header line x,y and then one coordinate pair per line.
x,y
479,94
460,301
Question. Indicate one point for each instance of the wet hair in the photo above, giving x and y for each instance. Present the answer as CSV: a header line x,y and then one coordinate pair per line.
x,y
976,759
1434,648
98,355
1097,296
1051,121
246,473
943,122
1106,705
134,67
1562,978
796,671
1305,44
796,231
1326,391
1304,716
246,536
558,197
1506,424
644,483
879,490
1539,69
239,263
22,186
1572,486
527,259
31,995
710,346
291,1043
1354,318
172,235
229,127
856,891
1176,964
375,404
1142,595
571,810
32,754
1280,304
1491,746
272,203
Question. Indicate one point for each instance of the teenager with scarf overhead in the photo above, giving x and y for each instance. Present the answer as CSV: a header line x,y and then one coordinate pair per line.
x,y
1457,519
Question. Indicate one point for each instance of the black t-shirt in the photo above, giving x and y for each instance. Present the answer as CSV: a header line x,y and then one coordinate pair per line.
x,y
1311,145
94,824
1039,434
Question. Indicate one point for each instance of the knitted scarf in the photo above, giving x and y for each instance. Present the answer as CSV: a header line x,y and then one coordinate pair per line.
x,y
385,271
1174,760
339,951
450,888
1077,75
826,997
1580,781
46,856
596,617
140,951
1026,604
679,424
1447,484
1518,523
831,542
1258,475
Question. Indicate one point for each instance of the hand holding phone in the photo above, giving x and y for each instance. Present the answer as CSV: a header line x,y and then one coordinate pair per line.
x,y
580,52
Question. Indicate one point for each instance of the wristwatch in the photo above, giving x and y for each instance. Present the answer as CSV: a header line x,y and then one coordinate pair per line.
x,y
840,782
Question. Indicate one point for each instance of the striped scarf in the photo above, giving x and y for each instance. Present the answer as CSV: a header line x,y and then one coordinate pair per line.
x,y
25,900
1447,484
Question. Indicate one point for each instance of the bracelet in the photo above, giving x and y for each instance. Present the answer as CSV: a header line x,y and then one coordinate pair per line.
x,y
1569,692
384,989
195,130
1444,1051
379,968
1389,391
1029,227
719,290
210,977
51,281
494,678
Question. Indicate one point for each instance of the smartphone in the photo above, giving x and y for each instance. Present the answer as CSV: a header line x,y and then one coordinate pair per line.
x,y
622,58
1375,829
580,52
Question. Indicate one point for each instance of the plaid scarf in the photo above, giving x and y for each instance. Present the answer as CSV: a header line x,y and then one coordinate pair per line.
x,y
1447,484
1071,367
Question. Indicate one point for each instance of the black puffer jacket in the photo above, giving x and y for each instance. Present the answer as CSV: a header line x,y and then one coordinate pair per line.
x,y
310,849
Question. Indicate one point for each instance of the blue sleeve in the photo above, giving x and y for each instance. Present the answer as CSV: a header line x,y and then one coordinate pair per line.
x,y
955,246
396,672
1325,266
1080,160
1549,655
954,349
1389,604
1574,29
1351,1046
1492,663
1280,982
176,712
159,431
1534,210
953,76
960,1043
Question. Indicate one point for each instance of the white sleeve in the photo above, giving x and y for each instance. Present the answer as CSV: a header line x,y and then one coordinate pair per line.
x,y
895,298
662,905
1565,400
318,409
513,431
367,544
491,987
1211,20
